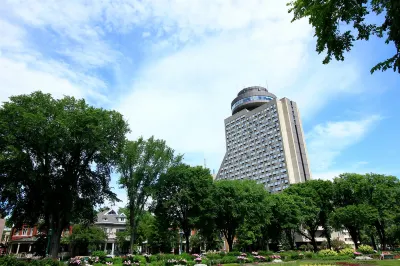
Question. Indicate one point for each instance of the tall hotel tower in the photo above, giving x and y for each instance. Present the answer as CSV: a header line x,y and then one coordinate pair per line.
x,y
264,141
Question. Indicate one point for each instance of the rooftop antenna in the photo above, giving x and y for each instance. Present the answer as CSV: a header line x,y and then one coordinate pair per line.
x,y
266,82
205,165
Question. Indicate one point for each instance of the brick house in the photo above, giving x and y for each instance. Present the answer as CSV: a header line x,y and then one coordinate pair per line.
x,y
23,240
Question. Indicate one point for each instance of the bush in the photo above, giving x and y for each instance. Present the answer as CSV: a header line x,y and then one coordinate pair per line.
x,y
213,256
327,252
117,260
337,258
346,252
365,249
11,261
308,255
295,256
265,253
234,253
228,259
101,255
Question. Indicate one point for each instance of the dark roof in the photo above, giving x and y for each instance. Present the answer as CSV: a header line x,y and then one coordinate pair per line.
x,y
111,217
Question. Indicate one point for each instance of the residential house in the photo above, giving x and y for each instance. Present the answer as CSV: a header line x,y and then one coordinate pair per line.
x,y
112,223
23,240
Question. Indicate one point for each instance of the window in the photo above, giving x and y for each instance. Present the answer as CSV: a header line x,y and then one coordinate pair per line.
x,y
24,231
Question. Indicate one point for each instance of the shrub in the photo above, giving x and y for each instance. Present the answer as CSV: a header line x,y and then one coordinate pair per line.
x,y
228,259
75,261
234,253
365,249
308,255
49,262
327,252
265,253
101,255
213,256
337,258
346,252
295,256
187,256
117,260
260,258
275,257
11,261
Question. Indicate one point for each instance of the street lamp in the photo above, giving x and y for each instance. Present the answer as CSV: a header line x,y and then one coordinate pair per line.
x,y
180,242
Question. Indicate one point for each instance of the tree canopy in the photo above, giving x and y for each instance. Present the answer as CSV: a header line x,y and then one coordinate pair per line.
x,y
240,203
338,24
140,165
56,159
84,238
181,195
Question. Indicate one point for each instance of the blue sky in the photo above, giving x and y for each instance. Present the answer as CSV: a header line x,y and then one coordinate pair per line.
x,y
173,67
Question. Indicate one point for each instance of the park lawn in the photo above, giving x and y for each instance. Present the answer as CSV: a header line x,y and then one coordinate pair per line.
x,y
370,262
308,262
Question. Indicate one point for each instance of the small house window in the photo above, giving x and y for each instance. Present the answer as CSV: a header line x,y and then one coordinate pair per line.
x,y
24,231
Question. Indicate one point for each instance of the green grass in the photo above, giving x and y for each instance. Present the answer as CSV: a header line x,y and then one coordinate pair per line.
x,y
312,262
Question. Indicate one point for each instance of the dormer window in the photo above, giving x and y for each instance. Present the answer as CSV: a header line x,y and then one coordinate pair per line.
x,y
122,219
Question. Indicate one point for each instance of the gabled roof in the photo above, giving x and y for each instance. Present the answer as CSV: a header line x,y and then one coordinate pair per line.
x,y
110,217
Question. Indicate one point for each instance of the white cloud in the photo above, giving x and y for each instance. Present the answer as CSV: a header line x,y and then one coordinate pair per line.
x,y
326,141
17,78
11,36
185,96
201,53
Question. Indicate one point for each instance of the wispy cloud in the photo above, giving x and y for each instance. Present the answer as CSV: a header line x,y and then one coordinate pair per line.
x,y
328,140
187,61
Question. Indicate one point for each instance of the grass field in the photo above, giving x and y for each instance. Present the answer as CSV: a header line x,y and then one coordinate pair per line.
x,y
338,263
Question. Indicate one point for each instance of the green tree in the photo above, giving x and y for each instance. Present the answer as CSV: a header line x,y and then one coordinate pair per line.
x,y
286,217
181,196
353,218
348,195
56,159
145,227
86,237
316,208
163,237
382,192
240,202
328,18
379,194
140,166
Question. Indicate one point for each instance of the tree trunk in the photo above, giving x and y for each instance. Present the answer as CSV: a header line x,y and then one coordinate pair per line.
x,y
55,241
290,238
133,229
187,237
381,234
354,236
314,243
230,245
373,242
328,238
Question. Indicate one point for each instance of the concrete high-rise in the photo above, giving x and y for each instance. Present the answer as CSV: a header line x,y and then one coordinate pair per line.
x,y
264,141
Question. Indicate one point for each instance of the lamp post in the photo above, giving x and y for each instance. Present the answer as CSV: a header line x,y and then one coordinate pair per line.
x,y
180,242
